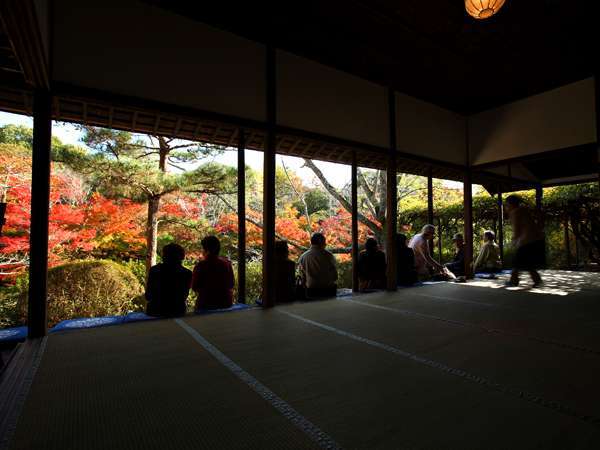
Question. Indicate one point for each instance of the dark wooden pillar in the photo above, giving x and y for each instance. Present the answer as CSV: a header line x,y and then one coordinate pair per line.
x,y
40,198
430,205
354,202
539,197
501,226
241,199
439,233
567,244
2,214
269,185
468,206
468,226
392,198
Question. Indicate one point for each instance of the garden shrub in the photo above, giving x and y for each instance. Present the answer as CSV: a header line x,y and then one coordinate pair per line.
x,y
90,288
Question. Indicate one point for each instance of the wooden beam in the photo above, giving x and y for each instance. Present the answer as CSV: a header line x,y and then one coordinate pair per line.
x,y
241,207
40,199
20,21
392,197
269,184
354,213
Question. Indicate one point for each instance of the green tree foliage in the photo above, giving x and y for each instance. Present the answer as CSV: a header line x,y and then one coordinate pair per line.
x,y
123,165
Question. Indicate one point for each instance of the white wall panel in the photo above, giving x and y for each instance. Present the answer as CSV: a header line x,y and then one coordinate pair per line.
x,y
130,48
561,118
320,99
430,131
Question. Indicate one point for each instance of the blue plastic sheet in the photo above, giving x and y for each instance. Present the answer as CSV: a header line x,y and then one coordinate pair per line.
x,y
235,307
490,276
137,317
13,334
77,324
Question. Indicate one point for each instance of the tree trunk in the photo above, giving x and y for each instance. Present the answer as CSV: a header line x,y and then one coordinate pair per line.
x,y
152,232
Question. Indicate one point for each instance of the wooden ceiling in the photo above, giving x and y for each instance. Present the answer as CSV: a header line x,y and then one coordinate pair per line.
x,y
430,49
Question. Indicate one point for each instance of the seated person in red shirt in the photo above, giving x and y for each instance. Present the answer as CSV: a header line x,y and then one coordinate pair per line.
x,y
213,279
168,284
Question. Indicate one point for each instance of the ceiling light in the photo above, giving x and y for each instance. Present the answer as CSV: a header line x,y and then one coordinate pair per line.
x,y
483,9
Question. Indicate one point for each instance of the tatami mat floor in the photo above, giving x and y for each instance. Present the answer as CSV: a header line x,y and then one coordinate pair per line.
x,y
436,367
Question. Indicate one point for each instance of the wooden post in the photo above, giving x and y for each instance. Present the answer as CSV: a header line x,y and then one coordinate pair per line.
x,y
439,231
468,225
354,202
40,199
430,205
392,198
2,213
501,226
567,244
539,197
268,287
468,207
241,206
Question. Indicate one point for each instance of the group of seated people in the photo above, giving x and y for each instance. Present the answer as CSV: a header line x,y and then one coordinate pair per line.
x,y
427,268
169,283
213,280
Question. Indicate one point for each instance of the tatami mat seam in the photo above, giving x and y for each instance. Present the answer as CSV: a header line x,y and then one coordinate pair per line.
x,y
306,426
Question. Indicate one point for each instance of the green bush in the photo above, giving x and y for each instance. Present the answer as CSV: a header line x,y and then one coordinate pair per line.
x,y
253,280
90,288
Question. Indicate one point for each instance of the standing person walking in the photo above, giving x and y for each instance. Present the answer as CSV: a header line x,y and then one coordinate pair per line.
x,y
528,241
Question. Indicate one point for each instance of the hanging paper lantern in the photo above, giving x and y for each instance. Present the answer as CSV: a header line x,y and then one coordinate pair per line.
x,y
483,9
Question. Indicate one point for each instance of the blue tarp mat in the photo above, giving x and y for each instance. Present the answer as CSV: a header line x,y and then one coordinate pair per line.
x,y
13,334
137,317
76,324
236,307
489,276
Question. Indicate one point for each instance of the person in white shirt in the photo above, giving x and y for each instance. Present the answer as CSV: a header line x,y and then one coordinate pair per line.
x,y
424,263
318,269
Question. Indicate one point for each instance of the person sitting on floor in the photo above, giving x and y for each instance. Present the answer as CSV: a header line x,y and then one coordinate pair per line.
x,y
371,267
407,273
457,265
168,284
285,274
426,266
488,260
213,278
317,269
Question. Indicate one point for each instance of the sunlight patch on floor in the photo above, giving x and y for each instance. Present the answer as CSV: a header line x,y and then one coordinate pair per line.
x,y
556,282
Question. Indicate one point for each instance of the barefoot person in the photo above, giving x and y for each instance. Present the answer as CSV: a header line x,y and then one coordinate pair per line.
x,y
528,241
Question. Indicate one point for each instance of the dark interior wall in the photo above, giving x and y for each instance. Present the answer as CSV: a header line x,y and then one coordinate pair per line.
x,y
131,48
317,98
428,130
561,118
